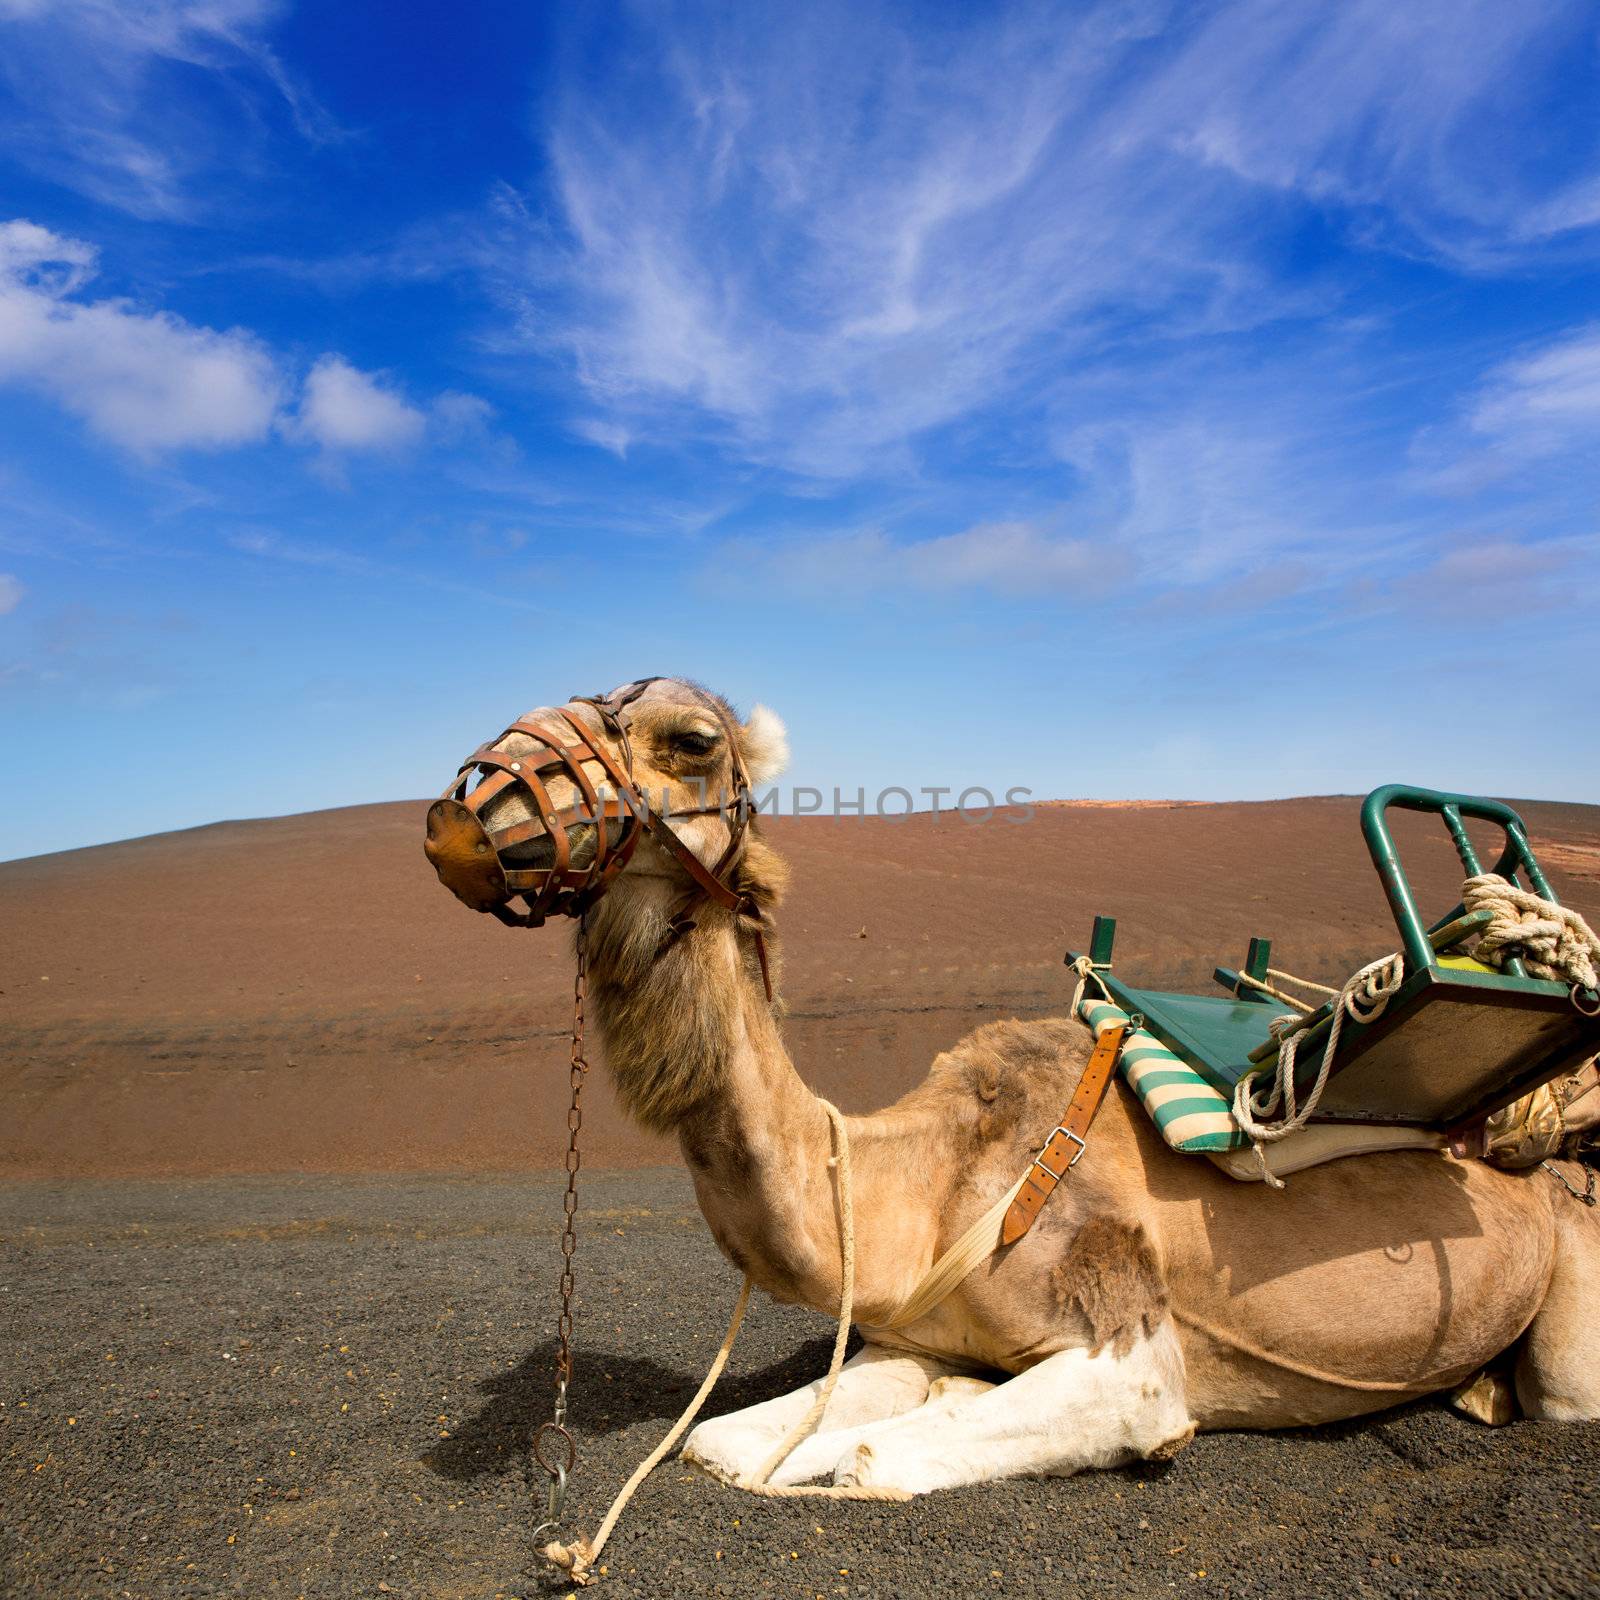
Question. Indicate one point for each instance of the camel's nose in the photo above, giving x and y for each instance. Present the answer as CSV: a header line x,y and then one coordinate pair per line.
x,y
462,855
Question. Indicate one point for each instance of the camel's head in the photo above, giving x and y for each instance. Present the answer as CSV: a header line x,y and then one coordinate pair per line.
x,y
658,773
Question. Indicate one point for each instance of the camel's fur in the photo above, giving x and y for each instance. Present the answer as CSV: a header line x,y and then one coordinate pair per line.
x,y
1153,1296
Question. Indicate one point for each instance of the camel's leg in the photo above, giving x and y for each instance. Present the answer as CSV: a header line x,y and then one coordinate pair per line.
x,y
873,1384
1073,1410
818,1455
1558,1370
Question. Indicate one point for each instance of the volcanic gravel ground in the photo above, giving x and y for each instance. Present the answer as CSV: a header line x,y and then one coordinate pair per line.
x,y
324,1387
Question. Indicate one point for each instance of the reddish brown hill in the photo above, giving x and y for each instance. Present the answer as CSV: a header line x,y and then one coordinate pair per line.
x,y
300,994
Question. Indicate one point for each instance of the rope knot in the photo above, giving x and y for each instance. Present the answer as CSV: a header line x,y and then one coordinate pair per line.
x,y
577,1558
1088,971
1552,940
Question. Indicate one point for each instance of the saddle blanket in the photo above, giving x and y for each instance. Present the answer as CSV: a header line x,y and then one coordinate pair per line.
x,y
1197,1119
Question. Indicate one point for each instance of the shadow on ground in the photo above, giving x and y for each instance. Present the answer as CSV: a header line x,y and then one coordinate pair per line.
x,y
610,1392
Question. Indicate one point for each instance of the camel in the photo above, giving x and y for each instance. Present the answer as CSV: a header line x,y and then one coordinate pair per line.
x,y
1154,1297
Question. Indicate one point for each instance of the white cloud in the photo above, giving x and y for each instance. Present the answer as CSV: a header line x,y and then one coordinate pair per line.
x,y
343,408
11,593
151,382
999,558
1546,402
1515,578
1415,114
610,436
460,416
1540,406
1007,558
1497,564
101,94
145,380
26,248
824,234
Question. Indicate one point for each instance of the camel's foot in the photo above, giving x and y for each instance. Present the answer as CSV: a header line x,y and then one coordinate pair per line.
x,y
873,1385
1490,1397
1073,1410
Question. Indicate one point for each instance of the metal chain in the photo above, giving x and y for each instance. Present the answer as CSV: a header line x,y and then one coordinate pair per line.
x,y
556,1429
1586,1194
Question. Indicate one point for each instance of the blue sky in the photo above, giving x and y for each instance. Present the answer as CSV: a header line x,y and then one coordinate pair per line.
x,y
1132,399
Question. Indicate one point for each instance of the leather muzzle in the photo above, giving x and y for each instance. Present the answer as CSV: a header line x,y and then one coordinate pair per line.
x,y
468,865
562,860
486,865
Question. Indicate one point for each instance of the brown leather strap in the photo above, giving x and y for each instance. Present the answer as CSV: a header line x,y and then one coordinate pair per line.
x,y
709,885
515,833
628,808
766,965
707,880
1063,1148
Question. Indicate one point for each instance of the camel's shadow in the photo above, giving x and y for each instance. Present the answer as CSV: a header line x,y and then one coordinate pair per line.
x,y
610,1391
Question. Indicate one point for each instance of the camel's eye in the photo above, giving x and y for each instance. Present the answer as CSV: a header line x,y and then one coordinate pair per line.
x,y
691,743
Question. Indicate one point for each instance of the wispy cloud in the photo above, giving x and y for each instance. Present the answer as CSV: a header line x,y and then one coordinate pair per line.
x,y
104,95
1545,402
334,559
1010,560
11,593
1400,116
610,436
1498,578
1540,406
827,236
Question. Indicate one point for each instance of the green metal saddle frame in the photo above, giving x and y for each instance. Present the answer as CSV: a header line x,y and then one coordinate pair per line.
x,y
1456,1042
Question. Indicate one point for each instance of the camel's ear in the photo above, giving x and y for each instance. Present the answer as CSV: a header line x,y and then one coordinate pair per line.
x,y
766,745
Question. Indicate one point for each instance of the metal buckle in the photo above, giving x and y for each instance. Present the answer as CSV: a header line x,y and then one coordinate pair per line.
x,y
1077,1155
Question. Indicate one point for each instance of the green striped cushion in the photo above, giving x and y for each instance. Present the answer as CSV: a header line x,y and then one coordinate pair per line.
x,y
1190,1114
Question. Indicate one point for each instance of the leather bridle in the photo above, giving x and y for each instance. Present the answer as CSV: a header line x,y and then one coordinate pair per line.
x,y
469,855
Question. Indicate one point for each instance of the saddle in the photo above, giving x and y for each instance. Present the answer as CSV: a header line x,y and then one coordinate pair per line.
x,y
1478,1035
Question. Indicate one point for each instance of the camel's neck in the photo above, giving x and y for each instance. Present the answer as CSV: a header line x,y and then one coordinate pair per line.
x,y
691,1042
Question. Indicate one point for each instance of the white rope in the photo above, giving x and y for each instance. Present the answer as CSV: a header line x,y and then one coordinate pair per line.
x,y
580,1556
1279,994
1363,999
980,1241
1088,972
1304,983
1553,941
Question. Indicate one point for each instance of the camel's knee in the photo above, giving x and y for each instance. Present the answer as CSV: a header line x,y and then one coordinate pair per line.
x,y
958,1386
874,1384
1073,1411
822,1453
1558,1370
1490,1396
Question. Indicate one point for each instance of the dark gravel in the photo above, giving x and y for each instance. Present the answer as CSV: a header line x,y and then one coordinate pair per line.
x,y
324,1388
